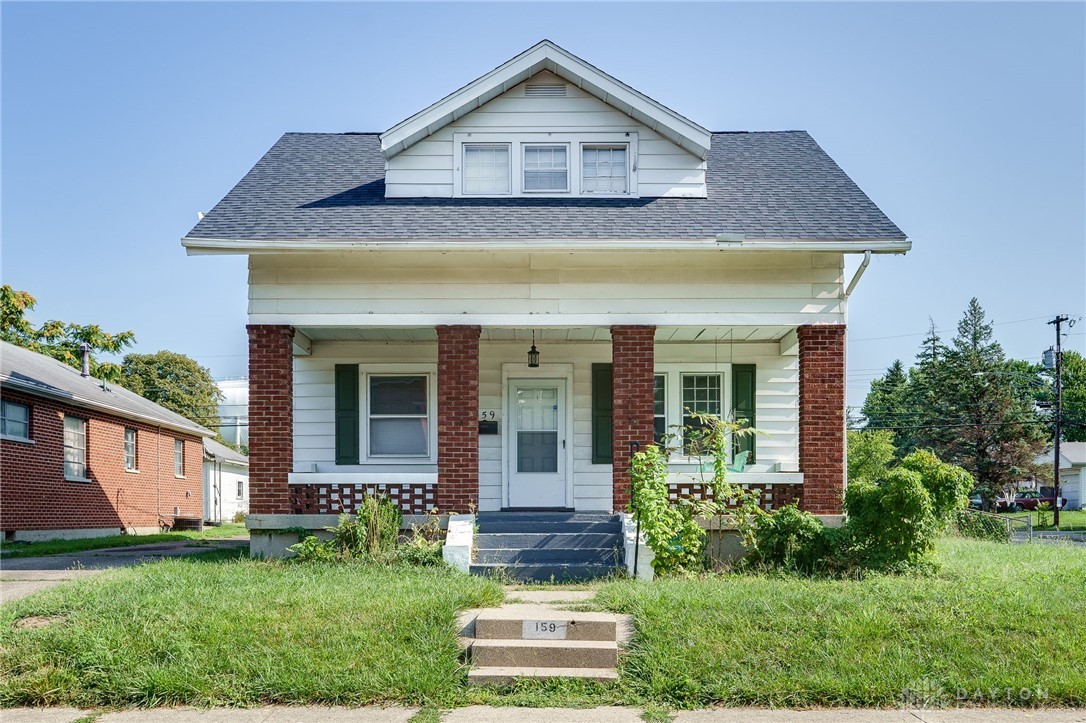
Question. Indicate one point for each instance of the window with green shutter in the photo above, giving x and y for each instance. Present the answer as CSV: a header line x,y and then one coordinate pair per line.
x,y
743,376
347,414
602,403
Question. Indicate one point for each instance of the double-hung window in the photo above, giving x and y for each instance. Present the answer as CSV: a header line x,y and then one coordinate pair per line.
x,y
179,458
14,420
546,168
399,423
659,408
486,169
130,449
604,169
75,448
241,489
701,394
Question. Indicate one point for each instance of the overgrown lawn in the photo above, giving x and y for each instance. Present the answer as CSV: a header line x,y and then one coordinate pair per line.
x,y
996,619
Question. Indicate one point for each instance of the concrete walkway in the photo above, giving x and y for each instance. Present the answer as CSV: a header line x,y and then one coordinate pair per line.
x,y
23,576
484,714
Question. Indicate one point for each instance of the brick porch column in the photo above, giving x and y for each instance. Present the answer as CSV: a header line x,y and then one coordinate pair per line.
x,y
271,417
457,418
632,359
822,417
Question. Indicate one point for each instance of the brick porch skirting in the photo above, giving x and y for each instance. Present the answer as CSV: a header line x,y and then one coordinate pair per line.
x,y
332,499
773,496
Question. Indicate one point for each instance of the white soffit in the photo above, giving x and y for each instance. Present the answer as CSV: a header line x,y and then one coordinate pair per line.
x,y
547,56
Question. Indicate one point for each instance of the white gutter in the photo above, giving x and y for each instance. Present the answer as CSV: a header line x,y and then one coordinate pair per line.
x,y
199,246
78,401
859,272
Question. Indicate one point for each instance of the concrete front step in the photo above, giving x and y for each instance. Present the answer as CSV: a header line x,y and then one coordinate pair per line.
x,y
545,653
557,571
541,540
613,527
523,621
506,675
548,555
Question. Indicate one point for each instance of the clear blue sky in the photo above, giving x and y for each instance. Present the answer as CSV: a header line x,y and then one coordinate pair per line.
x,y
964,122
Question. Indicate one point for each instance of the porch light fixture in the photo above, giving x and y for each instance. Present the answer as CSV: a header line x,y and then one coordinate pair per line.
x,y
533,354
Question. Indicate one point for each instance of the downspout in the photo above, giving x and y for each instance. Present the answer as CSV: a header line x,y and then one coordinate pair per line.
x,y
158,479
859,272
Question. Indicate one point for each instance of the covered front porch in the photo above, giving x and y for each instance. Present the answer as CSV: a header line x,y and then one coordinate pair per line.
x,y
453,418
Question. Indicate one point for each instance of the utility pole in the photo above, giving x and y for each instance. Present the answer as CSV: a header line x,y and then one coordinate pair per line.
x,y
1058,321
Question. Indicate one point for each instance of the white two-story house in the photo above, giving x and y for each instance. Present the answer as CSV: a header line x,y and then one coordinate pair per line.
x,y
492,304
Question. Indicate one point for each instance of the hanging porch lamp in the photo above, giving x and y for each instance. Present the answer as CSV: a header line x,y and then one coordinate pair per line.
x,y
533,354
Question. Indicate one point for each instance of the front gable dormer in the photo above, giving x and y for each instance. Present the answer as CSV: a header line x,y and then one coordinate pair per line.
x,y
546,125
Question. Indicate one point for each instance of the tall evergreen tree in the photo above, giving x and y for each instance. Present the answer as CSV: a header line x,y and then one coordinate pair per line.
x,y
980,418
886,405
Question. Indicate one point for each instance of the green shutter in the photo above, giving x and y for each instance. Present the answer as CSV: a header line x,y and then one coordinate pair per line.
x,y
602,402
743,376
347,403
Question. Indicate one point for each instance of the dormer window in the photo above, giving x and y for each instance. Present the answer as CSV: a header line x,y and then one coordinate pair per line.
x,y
604,169
486,169
545,164
546,168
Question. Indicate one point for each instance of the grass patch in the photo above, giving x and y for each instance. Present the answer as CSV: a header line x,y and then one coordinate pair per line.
x,y
995,618
216,629
11,550
210,632
1070,520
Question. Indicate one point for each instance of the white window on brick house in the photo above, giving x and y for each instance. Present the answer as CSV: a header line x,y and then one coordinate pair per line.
x,y
398,416
75,448
14,420
486,169
179,458
604,169
130,449
241,489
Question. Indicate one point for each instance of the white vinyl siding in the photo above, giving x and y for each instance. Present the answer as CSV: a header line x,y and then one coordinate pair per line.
x,y
664,169
777,402
14,420
75,448
486,169
386,288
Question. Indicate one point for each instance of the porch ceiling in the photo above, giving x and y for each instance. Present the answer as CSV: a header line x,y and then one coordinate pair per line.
x,y
664,334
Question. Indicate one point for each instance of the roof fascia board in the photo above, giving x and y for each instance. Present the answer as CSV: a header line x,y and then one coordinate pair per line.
x,y
546,55
206,246
78,401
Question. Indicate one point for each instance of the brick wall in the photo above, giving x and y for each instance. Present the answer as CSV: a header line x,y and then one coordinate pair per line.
x,y
35,496
457,418
633,359
822,417
271,417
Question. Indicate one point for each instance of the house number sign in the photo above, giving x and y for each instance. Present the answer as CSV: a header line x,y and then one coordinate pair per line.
x,y
544,629
489,415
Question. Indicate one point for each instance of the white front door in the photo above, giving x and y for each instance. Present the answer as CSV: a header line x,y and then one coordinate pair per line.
x,y
537,444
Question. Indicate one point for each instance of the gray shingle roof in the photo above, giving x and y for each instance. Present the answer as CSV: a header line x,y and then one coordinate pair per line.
x,y
32,373
224,453
331,186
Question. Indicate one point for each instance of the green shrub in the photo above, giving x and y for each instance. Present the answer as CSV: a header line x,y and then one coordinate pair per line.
x,y
948,484
790,539
892,523
238,518
869,454
670,530
371,534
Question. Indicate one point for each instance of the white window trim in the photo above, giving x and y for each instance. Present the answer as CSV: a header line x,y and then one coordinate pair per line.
x,y
29,414
397,370
135,469
673,406
86,454
458,165
569,167
175,450
614,136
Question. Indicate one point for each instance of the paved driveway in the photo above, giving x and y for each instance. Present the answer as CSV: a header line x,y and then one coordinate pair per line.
x,y
25,575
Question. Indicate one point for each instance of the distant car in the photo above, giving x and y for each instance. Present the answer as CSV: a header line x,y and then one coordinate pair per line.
x,y
976,502
1028,500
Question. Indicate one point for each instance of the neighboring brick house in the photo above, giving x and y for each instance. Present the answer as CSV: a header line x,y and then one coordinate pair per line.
x,y
397,281
80,457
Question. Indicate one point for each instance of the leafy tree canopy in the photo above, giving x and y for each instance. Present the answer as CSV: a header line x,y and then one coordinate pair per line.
x,y
57,339
175,381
